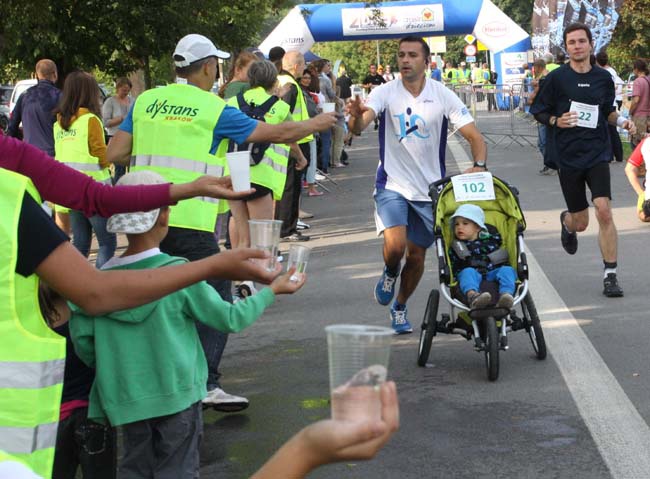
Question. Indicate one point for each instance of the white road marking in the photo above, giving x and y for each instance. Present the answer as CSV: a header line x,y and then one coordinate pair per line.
x,y
620,433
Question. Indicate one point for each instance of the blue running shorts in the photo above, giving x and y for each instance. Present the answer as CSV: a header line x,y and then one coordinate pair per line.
x,y
392,209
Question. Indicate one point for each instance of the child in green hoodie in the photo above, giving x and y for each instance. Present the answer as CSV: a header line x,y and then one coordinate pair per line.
x,y
151,371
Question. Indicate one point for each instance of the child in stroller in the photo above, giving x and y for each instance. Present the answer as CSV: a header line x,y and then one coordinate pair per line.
x,y
476,255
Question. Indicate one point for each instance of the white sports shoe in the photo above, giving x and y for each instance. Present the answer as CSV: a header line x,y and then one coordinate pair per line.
x,y
220,400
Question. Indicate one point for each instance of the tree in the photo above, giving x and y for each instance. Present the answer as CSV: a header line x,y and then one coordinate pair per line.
x,y
120,36
630,41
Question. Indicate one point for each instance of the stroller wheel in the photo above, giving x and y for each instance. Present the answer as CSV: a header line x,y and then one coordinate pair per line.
x,y
533,326
491,348
428,327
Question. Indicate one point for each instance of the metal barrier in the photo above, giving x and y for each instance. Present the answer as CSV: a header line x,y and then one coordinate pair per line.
x,y
500,112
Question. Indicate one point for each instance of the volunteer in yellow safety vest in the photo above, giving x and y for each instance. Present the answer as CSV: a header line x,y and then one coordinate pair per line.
x,y
269,174
79,143
176,131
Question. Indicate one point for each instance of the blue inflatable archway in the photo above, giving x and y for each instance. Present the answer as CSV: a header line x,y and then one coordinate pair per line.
x,y
307,24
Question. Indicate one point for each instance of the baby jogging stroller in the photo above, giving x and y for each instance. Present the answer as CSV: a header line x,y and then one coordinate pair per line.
x,y
488,327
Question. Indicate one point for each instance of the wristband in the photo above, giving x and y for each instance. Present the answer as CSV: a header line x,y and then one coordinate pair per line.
x,y
620,121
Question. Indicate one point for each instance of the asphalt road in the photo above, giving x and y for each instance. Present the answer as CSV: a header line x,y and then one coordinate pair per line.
x,y
581,413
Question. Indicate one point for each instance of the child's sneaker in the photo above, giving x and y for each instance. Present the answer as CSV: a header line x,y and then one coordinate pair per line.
x,y
385,287
399,322
478,300
505,301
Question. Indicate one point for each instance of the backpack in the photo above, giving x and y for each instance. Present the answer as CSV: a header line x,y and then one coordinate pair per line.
x,y
493,77
256,112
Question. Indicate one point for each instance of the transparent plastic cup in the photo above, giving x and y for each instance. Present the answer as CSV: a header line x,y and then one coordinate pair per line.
x,y
298,258
328,107
240,170
358,365
265,235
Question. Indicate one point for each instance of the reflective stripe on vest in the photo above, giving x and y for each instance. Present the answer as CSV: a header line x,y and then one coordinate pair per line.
x,y
25,440
31,355
71,148
173,131
300,109
271,171
31,375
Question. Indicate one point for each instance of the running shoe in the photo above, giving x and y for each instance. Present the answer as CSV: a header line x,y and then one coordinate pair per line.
x,y
385,287
611,288
569,240
399,322
220,400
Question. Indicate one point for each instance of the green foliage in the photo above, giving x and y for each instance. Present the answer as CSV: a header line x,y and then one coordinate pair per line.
x,y
630,40
119,36
358,55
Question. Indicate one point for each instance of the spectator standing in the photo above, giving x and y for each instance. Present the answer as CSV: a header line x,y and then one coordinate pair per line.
x,y
602,59
581,148
436,74
35,109
388,74
288,208
640,107
344,85
275,56
79,143
237,76
311,100
411,158
490,87
180,150
539,73
323,67
372,80
114,111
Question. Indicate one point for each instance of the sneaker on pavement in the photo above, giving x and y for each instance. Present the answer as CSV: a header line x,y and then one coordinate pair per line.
x,y
611,287
319,177
220,400
301,225
295,237
399,322
385,287
479,300
569,240
546,171
505,301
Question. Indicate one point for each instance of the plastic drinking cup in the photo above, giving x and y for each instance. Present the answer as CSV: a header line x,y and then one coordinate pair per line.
x,y
358,365
298,257
328,107
265,235
240,170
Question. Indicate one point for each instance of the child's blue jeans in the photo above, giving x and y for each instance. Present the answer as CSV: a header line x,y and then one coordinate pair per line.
x,y
470,279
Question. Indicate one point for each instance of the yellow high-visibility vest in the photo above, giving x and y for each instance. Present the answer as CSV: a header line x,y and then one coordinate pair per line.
x,y
32,356
173,130
299,112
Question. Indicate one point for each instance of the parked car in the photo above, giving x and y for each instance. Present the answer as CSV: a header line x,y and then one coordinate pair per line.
x,y
5,95
21,87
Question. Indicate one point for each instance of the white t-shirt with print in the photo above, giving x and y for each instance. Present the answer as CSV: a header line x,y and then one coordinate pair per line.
x,y
413,135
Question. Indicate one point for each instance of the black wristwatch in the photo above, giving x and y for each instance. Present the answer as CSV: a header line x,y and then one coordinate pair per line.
x,y
480,164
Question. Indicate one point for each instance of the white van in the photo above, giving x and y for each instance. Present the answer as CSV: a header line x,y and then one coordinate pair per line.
x,y
21,87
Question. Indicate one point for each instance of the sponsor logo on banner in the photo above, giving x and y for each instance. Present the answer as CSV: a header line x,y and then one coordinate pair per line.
x,y
495,29
392,20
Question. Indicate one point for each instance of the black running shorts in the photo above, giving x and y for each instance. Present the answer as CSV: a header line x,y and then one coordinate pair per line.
x,y
573,185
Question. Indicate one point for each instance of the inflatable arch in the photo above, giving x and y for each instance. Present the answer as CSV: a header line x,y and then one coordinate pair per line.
x,y
307,24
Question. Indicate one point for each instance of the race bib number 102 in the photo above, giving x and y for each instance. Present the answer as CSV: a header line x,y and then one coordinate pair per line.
x,y
473,186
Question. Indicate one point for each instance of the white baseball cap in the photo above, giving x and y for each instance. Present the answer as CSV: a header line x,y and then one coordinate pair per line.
x,y
193,47
141,221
